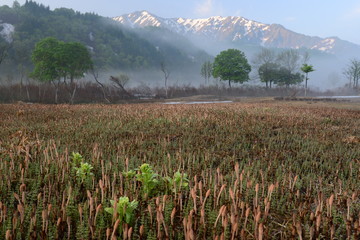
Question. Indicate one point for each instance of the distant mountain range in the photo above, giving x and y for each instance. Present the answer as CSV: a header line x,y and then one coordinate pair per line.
x,y
239,30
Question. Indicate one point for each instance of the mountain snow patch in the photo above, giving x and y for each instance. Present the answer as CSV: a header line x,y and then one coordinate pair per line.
x,y
7,31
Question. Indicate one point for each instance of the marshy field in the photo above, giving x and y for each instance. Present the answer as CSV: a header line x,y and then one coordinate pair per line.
x,y
243,170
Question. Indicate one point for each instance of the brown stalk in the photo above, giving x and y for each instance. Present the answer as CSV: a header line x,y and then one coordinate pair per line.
x,y
173,212
241,182
234,230
158,220
262,183
256,195
201,192
80,213
318,222
68,222
108,232
44,219
8,235
193,195
190,232
195,183
58,222
98,208
141,230
21,210
221,190
17,197
185,227
299,230
101,185
150,212
202,217
261,231
332,231
115,214
116,225
164,202
258,215
232,196
348,204
267,208
223,208
247,213
294,182
236,168
129,233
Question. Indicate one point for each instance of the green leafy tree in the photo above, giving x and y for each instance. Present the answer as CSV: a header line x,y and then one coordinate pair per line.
x,y
54,59
268,73
284,77
206,71
231,65
45,61
307,69
74,60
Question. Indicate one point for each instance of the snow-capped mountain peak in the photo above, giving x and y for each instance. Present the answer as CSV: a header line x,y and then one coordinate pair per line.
x,y
140,19
236,29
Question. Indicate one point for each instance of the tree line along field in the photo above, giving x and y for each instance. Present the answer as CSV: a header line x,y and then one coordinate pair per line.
x,y
152,171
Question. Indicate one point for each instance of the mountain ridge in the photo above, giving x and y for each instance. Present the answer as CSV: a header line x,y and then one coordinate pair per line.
x,y
239,29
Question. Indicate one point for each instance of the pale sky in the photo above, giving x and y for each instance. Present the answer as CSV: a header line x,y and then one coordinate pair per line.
x,y
323,18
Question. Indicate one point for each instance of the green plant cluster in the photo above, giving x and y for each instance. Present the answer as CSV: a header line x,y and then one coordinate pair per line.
x,y
124,209
82,169
153,185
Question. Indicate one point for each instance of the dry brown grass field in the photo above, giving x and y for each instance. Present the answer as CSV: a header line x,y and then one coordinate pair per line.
x,y
253,169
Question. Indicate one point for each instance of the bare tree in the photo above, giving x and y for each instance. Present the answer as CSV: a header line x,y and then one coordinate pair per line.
x,y
290,59
102,86
120,82
166,72
206,71
352,73
265,56
265,63
306,57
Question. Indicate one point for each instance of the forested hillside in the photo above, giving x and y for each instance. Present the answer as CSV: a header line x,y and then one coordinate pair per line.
x,y
111,45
